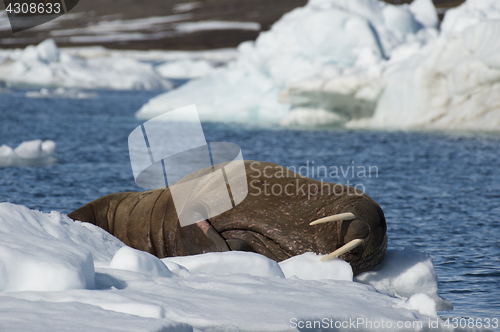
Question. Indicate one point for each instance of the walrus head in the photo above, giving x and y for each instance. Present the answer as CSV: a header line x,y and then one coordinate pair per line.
x,y
282,215
285,214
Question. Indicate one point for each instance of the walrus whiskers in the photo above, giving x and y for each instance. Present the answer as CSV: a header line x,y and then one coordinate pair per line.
x,y
342,250
336,217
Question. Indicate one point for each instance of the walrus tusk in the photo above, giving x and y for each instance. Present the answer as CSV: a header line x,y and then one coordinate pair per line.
x,y
342,250
336,217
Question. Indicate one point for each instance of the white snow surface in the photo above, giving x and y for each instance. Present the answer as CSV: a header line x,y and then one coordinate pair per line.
x,y
190,27
131,259
360,64
45,65
404,274
229,262
60,274
308,267
29,153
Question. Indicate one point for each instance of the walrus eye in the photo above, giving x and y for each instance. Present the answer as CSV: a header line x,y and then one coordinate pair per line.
x,y
336,217
342,250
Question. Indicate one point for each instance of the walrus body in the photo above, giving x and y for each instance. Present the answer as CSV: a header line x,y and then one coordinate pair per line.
x,y
273,220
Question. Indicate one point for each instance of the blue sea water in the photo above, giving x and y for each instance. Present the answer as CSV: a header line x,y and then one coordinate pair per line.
x,y
440,192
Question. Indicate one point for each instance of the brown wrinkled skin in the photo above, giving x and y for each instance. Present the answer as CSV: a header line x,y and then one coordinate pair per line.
x,y
274,225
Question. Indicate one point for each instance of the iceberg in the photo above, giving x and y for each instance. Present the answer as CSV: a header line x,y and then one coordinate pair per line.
x,y
44,65
359,64
332,40
29,153
52,268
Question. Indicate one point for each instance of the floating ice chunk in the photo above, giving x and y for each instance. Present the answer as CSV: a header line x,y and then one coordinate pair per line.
x,y
229,262
48,147
44,65
29,153
139,261
30,150
403,274
176,269
308,267
7,156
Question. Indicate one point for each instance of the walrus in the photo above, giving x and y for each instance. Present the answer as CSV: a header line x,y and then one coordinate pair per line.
x,y
283,215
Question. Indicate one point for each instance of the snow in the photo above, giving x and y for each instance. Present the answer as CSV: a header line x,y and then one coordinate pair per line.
x,y
308,267
63,275
36,252
134,260
45,65
423,303
186,6
190,27
405,274
359,64
229,262
29,153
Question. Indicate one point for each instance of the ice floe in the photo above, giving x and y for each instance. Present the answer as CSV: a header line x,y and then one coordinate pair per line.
x,y
45,65
52,267
331,38
29,153
360,64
